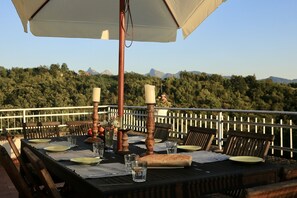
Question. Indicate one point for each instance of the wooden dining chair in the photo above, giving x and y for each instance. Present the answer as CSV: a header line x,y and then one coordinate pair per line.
x,y
247,144
162,131
288,173
14,175
200,137
79,127
49,129
285,189
25,167
41,130
42,173
30,130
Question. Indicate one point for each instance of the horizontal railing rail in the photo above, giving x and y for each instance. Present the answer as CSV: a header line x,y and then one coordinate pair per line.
x,y
282,124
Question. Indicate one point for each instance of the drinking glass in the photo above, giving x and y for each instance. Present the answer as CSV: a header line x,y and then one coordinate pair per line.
x,y
171,147
139,170
71,140
109,140
129,158
98,149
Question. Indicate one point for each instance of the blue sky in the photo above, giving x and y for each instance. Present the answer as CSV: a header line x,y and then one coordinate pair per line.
x,y
242,37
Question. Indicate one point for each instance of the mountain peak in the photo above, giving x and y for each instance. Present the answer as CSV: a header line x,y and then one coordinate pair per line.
x,y
91,71
107,72
156,73
162,75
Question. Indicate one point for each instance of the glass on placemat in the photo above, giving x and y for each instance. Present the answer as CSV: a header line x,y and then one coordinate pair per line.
x,y
139,170
98,149
109,140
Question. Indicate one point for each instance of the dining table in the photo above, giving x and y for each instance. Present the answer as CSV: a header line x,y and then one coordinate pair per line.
x,y
209,172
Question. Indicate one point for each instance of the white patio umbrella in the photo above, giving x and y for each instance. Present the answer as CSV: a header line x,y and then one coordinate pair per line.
x,y
148,20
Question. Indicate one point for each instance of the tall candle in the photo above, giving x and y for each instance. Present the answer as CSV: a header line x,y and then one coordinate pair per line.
x,y
96,94
149,94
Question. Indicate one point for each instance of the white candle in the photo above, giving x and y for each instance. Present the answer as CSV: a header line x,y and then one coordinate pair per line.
x,y
149,94
96,94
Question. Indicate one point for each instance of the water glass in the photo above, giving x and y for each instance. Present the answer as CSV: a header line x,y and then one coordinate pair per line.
x,y
98,149
109,140
129,158
71,140
139,171
171,147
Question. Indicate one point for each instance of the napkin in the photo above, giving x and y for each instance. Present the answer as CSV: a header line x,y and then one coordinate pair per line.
x,y
206,156
99,171
134,139
157,147
46,144
62,143
67,155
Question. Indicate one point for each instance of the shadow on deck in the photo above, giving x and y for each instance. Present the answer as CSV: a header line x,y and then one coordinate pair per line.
x,y
7,189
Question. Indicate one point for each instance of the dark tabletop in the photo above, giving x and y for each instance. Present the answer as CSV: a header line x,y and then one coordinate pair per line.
x,y
182,182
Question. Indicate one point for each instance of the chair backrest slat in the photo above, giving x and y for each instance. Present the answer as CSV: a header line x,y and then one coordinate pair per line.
x,y
247,143
162,131
13,173
49,129
79,127
30,130
41,130
200,136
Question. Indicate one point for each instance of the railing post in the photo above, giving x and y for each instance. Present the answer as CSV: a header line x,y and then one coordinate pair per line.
x,y
220,130
108,112
24,116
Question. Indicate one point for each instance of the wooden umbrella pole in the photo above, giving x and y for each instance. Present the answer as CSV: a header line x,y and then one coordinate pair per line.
x,y
150,123
121,60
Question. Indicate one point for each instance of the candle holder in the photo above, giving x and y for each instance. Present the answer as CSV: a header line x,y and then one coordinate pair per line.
x,y
150,124
123,144
94,137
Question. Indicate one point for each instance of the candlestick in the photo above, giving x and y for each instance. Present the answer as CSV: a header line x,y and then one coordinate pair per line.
x,y
95,120
96,99
150,124
124,142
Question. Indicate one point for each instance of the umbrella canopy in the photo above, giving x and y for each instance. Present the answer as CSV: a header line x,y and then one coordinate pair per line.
x,y
149,20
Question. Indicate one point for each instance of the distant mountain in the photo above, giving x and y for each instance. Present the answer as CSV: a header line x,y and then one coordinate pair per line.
x,y
162,75
159,74
282,80
91,71
107,72
156,73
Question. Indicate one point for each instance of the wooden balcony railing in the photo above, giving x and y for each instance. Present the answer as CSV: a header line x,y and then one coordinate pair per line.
x,y
282,124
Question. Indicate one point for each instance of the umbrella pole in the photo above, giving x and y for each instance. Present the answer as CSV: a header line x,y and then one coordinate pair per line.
x,y
121,61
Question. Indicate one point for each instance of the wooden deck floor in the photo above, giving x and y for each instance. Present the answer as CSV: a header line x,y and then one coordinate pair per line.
x,y
7,189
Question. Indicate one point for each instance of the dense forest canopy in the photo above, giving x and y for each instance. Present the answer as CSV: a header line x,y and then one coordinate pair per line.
x,y
57,86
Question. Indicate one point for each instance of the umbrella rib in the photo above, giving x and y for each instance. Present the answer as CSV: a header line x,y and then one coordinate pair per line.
x,y
36,12
171,13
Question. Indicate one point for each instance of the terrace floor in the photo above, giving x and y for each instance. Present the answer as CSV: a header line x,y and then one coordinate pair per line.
x,y
7,189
